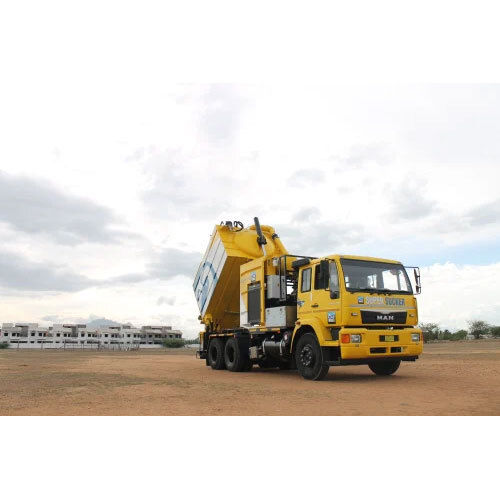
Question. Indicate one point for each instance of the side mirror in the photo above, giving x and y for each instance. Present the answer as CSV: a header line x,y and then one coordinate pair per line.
x,y
333,280
416,273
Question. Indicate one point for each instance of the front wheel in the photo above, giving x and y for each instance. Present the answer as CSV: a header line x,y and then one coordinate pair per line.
x,y
309,358
384,367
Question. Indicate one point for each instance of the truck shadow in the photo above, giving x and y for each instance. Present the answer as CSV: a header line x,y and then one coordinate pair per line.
x,y
333,376
355,377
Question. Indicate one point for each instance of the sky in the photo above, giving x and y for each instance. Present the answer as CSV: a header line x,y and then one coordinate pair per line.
x,y
113,176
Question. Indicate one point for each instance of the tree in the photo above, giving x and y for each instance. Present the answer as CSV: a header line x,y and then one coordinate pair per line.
x,y
172,343
495,331
478,327
460,335
447,335
430,331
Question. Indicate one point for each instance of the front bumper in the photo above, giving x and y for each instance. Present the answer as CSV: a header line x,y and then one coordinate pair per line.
x,y
372,345
365,361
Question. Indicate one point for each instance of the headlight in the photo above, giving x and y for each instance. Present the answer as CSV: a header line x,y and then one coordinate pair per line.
x,y
346,338
415,337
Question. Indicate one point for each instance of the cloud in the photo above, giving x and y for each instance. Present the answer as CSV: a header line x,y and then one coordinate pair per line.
x,y
171,262
306,214
170,301
320,238
454,124
361,155
18,273
34,206
220,116
179,191
165,265
54,318
409,203
453,294
124,279
478,222
306,177
488,213
92,321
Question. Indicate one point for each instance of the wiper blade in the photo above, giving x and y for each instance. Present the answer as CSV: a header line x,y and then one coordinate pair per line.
x,y
379,290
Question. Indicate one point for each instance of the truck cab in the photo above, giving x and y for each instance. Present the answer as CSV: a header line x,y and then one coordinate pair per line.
x,y
362,310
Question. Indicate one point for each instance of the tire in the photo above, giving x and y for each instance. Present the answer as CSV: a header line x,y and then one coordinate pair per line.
x,y
233,356
384,368
216,354
309,358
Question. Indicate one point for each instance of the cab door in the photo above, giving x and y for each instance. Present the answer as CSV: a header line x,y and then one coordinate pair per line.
x,y
304,293
326,293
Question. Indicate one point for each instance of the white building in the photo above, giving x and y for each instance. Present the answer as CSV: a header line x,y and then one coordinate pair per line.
x,y
63,336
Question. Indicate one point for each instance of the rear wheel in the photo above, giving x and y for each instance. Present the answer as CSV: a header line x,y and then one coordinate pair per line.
x,y
309,358
216,354
233,357
384,367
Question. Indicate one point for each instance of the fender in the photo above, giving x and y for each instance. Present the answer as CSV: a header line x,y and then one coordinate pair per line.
x,y
321,331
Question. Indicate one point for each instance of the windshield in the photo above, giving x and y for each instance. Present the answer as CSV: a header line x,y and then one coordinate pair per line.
x,y
369,276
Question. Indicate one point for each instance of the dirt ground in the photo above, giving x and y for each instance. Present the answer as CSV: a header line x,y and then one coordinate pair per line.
x,y
459,378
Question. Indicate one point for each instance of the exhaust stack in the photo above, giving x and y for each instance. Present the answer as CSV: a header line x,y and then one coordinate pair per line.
x,y
261,239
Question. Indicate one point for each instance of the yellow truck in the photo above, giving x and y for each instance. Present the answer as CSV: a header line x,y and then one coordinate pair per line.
x,y
261,305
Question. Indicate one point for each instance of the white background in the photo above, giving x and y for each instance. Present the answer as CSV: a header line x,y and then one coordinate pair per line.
x,y
244,42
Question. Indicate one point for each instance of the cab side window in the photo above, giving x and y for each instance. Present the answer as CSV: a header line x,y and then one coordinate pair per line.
x,y
306,280
334,281
321,275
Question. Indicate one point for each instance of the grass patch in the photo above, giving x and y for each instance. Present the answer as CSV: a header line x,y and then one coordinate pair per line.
x,y
173,343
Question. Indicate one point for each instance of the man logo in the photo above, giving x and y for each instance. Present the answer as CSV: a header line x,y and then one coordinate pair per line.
x,y
385,317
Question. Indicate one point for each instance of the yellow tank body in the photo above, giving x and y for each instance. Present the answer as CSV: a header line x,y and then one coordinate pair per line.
x,y
217,282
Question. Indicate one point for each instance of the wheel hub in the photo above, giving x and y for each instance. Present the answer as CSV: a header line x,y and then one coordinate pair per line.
x,y
307,356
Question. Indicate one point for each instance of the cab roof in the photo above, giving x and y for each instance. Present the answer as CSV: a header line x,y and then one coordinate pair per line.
x,y
361,257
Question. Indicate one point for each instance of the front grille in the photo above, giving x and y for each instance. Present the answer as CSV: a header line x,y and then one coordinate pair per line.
x,y
398,317
377,350
396,349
